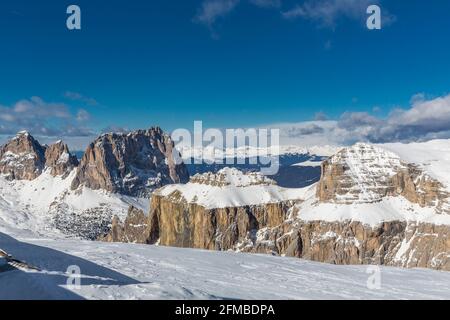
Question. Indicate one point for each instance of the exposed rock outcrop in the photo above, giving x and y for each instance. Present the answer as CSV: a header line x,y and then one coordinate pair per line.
x,y
394,243
257,229
22,158
366,174
194,226
134,164
135,229
59,159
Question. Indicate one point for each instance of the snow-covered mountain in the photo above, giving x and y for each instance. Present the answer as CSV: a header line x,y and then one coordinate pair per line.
x,y
383,204
45,190
47,206
364,186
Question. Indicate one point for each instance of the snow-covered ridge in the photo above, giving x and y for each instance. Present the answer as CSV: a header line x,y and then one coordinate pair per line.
x,y
22,133
308,164
211,153
231,177
14,159
364,186
232,189
386,210
433,157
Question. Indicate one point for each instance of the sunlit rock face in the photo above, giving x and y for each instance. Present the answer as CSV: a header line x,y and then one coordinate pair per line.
x,y
59,159
366,174
22,158
221,211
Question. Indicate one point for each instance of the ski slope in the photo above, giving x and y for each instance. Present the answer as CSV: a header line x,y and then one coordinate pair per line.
x,y
130,271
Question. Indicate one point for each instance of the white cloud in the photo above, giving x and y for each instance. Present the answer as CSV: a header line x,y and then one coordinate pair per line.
x,y
423,120
328,12
211,10
43,118
75,96
324,12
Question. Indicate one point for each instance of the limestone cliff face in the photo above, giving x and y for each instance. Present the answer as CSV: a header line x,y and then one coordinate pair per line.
x,y
22,158
194,226
394,243
177,220
416,186
274,229
59,159
132,164
179,224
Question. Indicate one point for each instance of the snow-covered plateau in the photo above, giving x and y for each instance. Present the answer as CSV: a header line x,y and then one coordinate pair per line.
x,y
133,271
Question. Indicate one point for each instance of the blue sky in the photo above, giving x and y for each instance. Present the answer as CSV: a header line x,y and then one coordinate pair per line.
x,y
230,63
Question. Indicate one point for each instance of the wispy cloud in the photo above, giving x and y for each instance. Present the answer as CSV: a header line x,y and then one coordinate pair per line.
x,y
83,115
211,10
43,118
75,96
327,12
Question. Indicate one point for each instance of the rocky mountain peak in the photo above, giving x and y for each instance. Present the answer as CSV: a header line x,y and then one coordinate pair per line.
x,y
132,163
365,173
358,174
59,159
22,158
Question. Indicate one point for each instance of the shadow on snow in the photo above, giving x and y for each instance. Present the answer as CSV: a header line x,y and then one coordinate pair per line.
x,y
48,283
